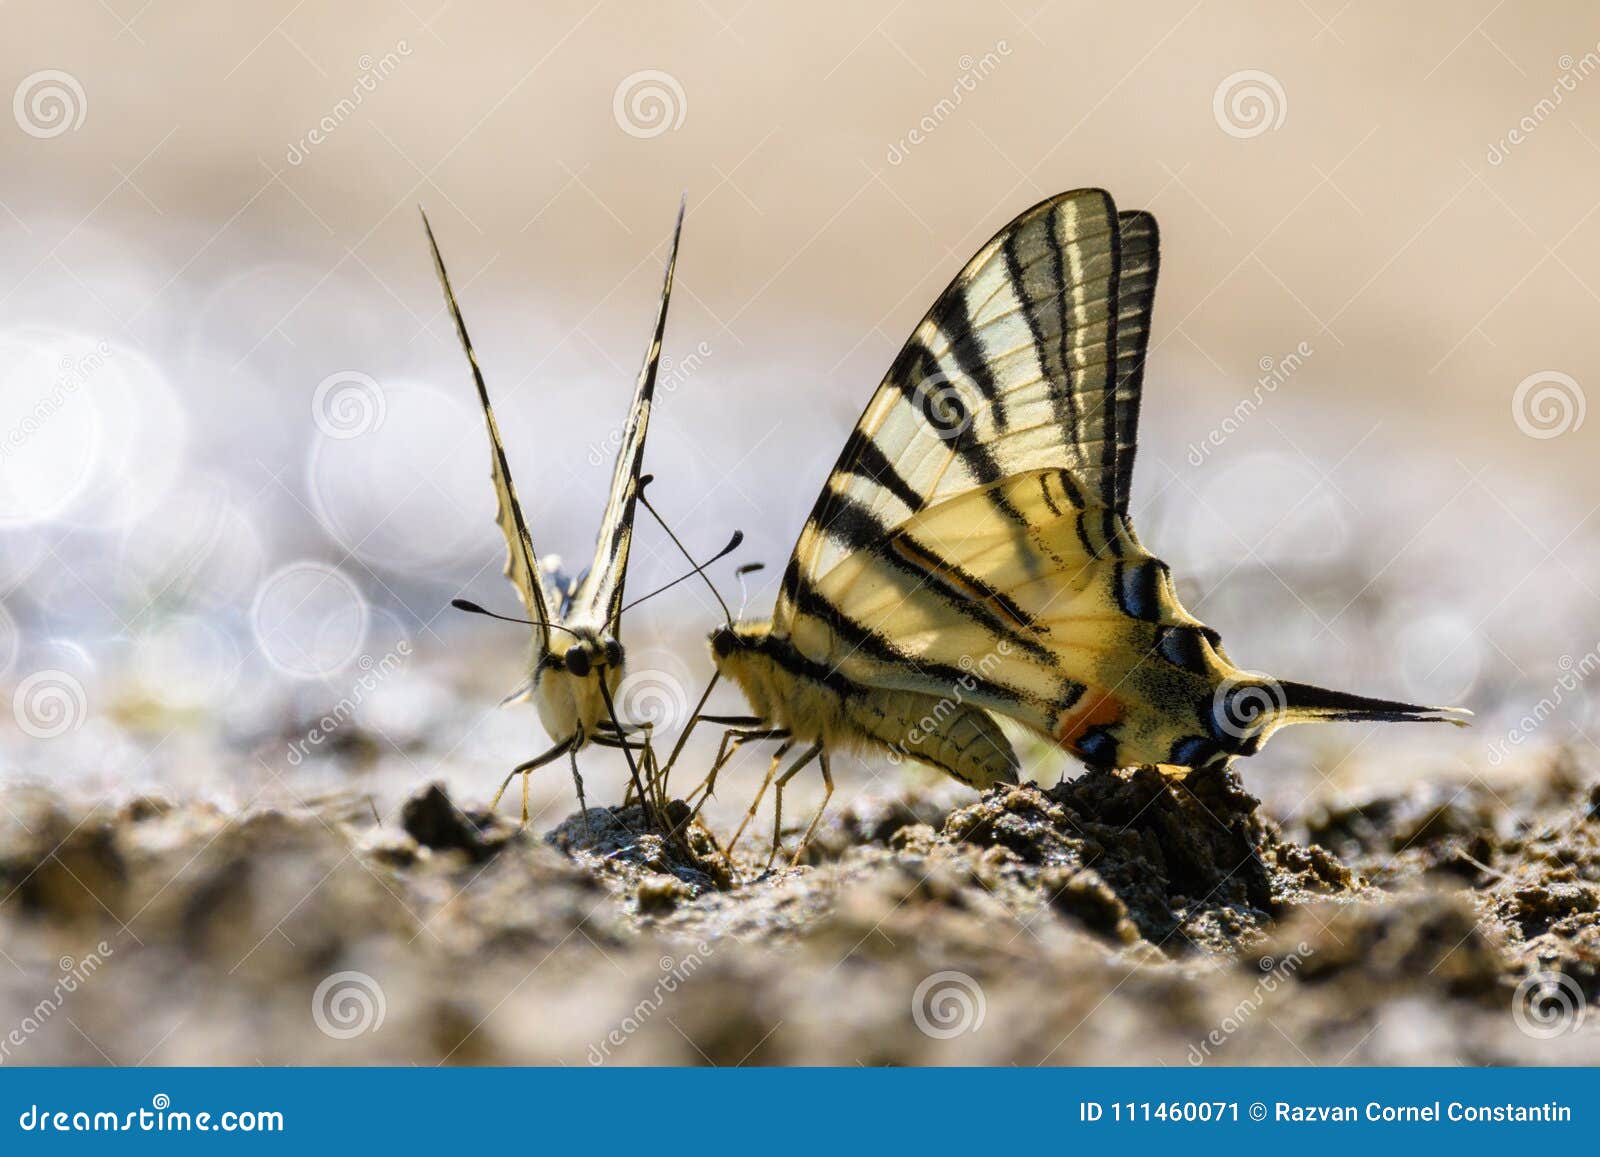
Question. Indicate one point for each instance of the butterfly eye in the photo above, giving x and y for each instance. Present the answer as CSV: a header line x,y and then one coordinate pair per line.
x,y
577,660
613,653
722,642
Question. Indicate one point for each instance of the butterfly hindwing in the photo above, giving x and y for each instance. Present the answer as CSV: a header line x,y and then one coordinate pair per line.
x,y
1136,293
522,566
599,595
1058,625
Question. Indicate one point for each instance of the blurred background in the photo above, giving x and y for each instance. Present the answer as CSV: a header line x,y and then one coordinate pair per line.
x,y
242,472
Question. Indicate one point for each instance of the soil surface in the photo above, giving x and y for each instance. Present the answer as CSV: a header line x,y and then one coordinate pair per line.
x,y
1115,918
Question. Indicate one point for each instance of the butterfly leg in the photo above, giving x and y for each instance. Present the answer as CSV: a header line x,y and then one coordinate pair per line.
x,y
533,764
827,794
772,770
577,781
806,757
732,739
646,802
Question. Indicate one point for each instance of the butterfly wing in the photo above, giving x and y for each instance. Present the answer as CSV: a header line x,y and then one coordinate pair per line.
x,y
1065,624
977,546
1136,295
522,566
599,596
1012,369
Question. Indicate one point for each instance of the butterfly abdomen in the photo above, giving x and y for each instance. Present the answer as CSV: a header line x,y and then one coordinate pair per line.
x,y
958,739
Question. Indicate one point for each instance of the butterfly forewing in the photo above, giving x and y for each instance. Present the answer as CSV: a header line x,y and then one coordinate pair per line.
x,y
599,596
1011,370
522,566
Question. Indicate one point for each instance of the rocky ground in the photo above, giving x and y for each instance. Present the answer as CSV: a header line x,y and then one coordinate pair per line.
x,y
1112,919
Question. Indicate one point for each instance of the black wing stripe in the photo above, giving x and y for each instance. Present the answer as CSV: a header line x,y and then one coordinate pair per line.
x,y
1141,263
960,583
854,527
867,460
869,643
957,427
956,326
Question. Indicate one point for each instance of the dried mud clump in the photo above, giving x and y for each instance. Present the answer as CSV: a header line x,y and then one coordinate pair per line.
x,y
1189,864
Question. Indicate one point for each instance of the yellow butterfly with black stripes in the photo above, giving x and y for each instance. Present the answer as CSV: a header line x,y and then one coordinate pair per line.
x,y
971,555
572,681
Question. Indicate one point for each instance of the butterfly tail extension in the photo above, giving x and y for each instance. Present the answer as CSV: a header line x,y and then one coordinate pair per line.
x,y
1306,703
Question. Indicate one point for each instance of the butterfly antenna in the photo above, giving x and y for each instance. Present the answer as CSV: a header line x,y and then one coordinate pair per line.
x,y
473,608
733,545
698,568
744,591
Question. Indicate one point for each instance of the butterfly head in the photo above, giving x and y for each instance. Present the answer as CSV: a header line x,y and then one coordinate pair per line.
x,y
741,652
590,653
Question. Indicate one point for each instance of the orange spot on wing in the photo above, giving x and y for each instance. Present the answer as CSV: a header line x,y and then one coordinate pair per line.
x,y
1095,709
